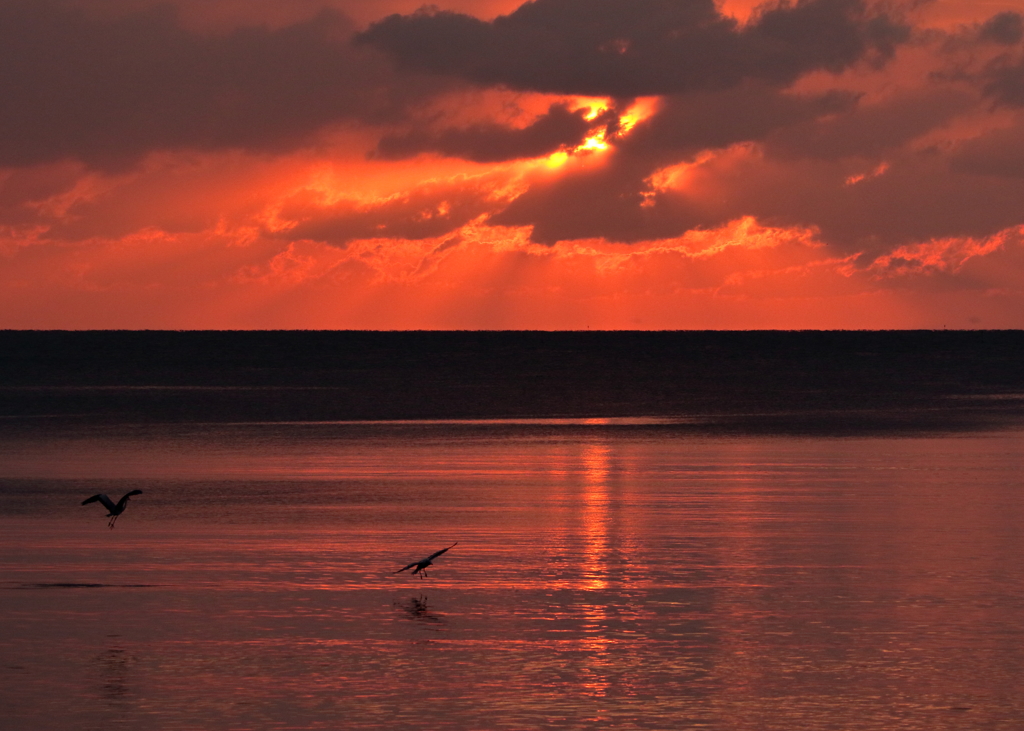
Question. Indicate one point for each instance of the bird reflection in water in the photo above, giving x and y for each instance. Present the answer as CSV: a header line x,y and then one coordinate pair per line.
x,y
114,669
417,609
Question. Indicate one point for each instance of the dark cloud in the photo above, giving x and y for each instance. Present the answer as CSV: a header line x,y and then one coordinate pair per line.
x,y
426,212
628,48
1003,79
1005,28
871,130
107,88
688,123
999,152
491,142
22,191
916,198
617,202
1004,82
831,162
612,202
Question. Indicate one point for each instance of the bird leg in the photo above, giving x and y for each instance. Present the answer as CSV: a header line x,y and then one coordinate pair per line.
x,y
110,523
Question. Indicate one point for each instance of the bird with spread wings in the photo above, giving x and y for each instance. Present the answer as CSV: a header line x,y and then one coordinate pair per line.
x,y
423,563
114,510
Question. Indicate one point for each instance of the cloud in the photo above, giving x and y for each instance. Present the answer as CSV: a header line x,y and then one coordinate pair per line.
x,y
685,124
615,199
492,142
871,129
608,202
108,88
24,192
741,275
629,48
427,211
999,152
916,197
1003,28
865,194
1004,81
208,165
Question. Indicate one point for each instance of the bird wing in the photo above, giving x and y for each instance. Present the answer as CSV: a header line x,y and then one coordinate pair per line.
x,y
107,502
435,554
414,563
124,499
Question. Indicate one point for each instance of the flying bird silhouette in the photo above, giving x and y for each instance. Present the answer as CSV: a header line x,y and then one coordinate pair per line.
x,y
421,565
115,510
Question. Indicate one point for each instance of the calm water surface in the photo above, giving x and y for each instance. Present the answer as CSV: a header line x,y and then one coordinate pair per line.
x,y
619,576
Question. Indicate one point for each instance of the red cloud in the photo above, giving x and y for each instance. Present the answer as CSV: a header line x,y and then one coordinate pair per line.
x,y
209,168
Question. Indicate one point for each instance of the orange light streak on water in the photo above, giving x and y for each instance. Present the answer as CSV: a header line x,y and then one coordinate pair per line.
x,y
605,577
595,515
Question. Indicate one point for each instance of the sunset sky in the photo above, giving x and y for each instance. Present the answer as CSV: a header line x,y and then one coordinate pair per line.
x,y
559,164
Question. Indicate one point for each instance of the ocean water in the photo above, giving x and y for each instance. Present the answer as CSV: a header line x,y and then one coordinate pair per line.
x,y
608,574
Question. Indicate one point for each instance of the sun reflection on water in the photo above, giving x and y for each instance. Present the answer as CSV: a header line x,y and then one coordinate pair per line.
x,y
594,641
638,580
595,516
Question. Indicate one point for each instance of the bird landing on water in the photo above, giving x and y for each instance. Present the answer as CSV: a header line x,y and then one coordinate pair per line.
x,y
114,510
423,563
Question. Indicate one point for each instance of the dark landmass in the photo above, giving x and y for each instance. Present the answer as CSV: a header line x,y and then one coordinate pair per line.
x,y
760,381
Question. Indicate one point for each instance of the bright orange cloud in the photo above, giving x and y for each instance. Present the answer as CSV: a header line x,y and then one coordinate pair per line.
x,y
876,187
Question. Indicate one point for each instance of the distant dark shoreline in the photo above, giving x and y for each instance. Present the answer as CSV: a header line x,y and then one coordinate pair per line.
x,y
757,381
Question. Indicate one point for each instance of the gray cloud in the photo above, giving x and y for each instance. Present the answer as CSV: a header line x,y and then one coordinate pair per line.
x,y
1004,28
615,201
1004,82
21,191
688,123
999,153
107,88
1002,79
808,150
628,48
918,198
491,142
425,212
871,130
611,202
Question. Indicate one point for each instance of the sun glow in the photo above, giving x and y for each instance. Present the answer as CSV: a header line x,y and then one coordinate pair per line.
x,y
557,159
602,139
594,143
675,177
641,109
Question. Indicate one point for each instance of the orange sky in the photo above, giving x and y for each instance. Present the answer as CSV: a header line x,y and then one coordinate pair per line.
x,y
568,164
